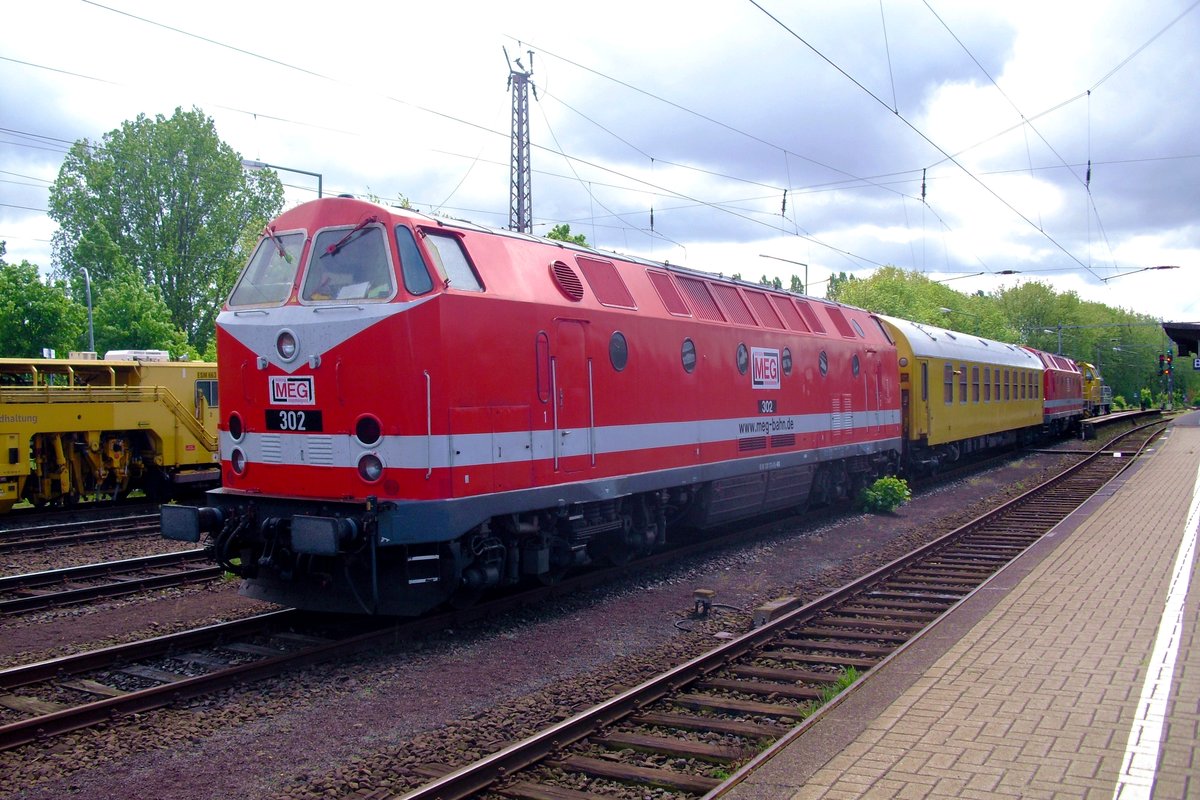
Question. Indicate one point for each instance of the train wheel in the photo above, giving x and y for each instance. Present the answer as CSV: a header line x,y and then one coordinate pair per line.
x,y
464,597
560,564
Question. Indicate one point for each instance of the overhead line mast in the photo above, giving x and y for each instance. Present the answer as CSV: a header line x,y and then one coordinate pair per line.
x,y
520,207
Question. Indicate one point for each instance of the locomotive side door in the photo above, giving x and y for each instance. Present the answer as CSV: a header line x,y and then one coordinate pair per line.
x,y
571,389
872,389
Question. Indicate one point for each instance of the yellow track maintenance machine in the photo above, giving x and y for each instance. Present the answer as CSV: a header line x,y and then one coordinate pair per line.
x,y
88,428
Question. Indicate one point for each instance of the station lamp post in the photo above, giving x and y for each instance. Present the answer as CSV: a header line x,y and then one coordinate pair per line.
x,y
945,310
257,165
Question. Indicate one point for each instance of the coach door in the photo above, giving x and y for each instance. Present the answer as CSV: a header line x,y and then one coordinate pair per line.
x,y
571,386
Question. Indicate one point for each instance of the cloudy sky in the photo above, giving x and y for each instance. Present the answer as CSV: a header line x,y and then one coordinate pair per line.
x,y
951,138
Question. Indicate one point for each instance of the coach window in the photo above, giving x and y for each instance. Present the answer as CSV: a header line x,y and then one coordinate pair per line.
x,y
948,384
1007,386
996,387
687,355
823,363
925,381
743,359
1021,383
451,261
962,383
618,351
987,384
974,384
787,361
412,263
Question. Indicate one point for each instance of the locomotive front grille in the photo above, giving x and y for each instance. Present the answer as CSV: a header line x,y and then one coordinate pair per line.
x,y
271,448
319,450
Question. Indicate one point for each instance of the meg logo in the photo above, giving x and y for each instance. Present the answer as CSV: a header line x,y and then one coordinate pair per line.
x,y
292,390
764,368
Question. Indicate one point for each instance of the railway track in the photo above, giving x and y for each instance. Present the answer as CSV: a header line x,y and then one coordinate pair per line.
x,y
43,700
60,587
700,726
77,531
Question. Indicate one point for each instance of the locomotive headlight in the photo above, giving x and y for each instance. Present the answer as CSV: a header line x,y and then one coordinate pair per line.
x,y
285,345
370,467
236,430
237,460
368,430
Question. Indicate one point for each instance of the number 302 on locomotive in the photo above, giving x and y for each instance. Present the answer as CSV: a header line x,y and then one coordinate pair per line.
x,y
287,419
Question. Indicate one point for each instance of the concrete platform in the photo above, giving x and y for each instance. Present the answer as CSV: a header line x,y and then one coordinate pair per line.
x,y
1074,673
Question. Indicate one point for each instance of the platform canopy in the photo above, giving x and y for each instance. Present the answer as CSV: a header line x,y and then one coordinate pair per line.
x,y
1184,334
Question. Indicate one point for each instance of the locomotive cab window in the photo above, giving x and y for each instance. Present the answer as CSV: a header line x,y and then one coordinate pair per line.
x,y
208,391
451,261
349,264
268,278
412,263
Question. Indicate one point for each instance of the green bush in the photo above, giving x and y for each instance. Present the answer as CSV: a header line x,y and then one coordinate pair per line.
x,y
886,494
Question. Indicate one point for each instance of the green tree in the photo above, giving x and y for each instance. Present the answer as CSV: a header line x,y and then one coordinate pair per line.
x,y
562,233
34,315
133,316
797,285
170,199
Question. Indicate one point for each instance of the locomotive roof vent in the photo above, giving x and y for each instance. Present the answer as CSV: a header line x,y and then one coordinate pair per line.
x,y
567,281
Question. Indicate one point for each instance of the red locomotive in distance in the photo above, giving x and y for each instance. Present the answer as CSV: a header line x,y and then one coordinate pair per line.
x,y
416,409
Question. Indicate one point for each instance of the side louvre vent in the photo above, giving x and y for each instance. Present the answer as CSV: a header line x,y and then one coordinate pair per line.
x,y
567,281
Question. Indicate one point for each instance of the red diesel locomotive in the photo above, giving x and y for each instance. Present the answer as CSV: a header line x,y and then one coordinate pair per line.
x,y
416,409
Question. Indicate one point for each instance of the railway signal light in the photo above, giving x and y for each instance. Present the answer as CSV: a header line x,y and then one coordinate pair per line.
x,y
1170,359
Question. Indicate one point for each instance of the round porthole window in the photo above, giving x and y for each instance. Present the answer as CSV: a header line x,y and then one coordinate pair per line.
x,y
618,351
787,361
823,363
688,355
743,359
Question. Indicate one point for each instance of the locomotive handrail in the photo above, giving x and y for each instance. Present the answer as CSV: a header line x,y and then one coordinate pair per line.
x,y
111,394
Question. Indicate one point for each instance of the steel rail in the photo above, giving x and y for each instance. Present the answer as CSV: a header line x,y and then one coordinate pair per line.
x,y
127,576
473,778
58,535
84,715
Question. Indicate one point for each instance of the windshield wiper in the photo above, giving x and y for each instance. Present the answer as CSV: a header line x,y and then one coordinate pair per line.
x,y
333,248
269,232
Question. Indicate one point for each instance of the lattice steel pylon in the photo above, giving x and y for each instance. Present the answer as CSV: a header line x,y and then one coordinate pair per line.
x,y
520,206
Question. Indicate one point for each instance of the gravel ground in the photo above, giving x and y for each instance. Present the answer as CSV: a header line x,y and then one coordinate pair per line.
x,y
90,553
362,726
